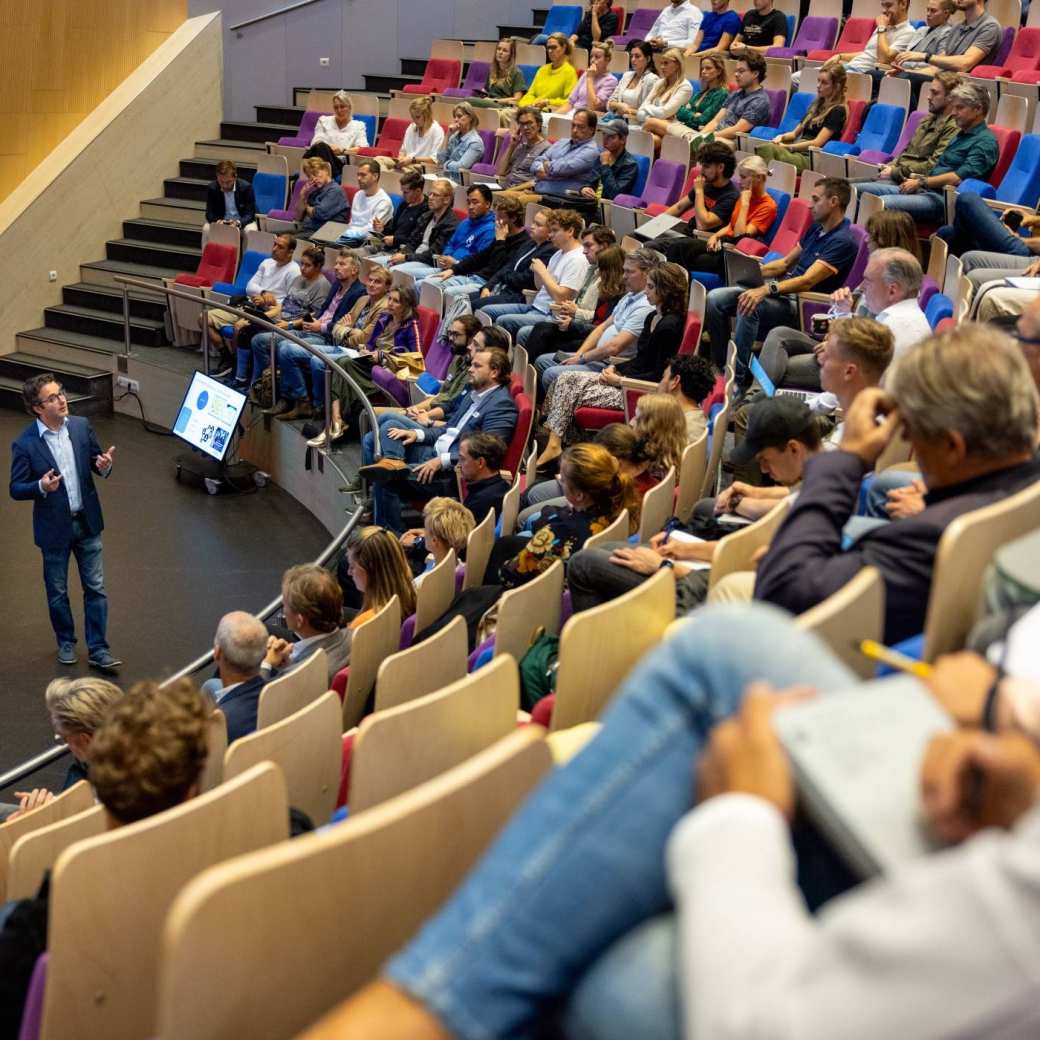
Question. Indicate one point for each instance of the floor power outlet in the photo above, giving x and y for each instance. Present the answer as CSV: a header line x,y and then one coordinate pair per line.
x,y
131,386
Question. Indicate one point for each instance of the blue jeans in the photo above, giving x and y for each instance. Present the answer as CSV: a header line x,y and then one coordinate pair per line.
x,y
462,284
773,312
514,316
87,550
582,861
386,495
549,370
295,362
977,227
417,270
926,207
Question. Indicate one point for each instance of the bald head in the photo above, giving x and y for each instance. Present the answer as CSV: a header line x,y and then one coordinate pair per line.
x,y
240,642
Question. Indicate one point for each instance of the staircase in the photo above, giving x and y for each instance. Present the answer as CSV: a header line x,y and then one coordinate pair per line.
x,y
79,335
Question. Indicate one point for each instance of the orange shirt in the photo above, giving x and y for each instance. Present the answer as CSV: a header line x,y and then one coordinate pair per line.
x,y
763,213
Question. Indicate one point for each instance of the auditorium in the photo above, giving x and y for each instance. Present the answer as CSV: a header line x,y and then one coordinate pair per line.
x,y
523,522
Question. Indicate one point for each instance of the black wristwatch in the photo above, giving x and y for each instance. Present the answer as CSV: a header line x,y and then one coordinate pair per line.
x,y
773,286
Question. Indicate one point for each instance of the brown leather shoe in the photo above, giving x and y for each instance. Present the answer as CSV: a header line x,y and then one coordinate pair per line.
x,y
299,410
384,469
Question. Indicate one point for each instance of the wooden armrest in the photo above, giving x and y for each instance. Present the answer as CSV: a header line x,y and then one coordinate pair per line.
x,y
638,384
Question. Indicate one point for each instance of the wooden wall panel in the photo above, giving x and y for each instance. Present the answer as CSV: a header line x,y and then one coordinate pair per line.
x,y
59,59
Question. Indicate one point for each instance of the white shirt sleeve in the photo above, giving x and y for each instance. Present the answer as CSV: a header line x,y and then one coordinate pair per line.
x,y
946,947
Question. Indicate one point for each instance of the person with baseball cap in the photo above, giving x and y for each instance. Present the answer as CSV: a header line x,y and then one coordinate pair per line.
x,y
617,170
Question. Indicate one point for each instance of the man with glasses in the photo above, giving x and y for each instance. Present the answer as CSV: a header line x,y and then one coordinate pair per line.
x,y
52,464
514,171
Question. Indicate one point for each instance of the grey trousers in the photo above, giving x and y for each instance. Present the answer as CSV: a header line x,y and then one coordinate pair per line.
x,y
789,359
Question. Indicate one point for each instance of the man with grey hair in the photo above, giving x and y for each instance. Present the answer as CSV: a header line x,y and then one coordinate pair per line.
x,y
238,650
888,293
615,337
941,394
971,155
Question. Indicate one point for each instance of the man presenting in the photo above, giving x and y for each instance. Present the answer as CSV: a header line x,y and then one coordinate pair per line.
x,y
52,463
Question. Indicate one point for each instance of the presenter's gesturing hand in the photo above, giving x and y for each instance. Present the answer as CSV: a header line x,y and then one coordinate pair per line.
x,y
50,481
104,460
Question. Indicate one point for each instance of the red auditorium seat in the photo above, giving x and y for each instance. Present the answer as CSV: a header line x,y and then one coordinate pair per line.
x,y
440,75
390,139
217,264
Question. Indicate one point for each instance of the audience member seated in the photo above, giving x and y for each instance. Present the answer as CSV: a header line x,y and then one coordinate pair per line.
x,y
418,455
896,946
480,464
972,154
824,121
782,435
321,198
404,230
700,109
561,278
604,285
893,229
745,108
76,708
636,84
470,236
596,85
671,91
377,568
337,136
239,648
505,82
618,335
719,208
666,292
437,231
930,38
265,290
690,380
447,524
514,168
514,276
464,145
977,228
661,425
676,26
821,262
354,331
571,163
229,200
312,604
293,361
996,300
147,756
889,291
423,138
617,171
553,82
305,298
595,490
371,205
762,27
973,41
598,25
719,28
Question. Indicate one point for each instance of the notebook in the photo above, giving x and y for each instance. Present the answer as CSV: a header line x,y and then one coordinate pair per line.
x,y
660,225
330,232
857,757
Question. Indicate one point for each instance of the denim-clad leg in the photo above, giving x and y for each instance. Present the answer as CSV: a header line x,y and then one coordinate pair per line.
x,y
417,270
293,363
87,550
720,307
976,227
582,862
261,347
926,207
56,584
773,312
386,497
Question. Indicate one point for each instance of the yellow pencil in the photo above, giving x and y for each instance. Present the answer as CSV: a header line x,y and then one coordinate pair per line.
x,y
876,652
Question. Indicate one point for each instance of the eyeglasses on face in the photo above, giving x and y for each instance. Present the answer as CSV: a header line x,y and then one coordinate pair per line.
x,y
53,397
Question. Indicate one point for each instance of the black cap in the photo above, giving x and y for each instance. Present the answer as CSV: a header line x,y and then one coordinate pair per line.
x,y
771,424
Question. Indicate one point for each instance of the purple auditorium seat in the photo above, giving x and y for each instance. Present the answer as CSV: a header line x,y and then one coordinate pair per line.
x,y
489,169
388,382
929,287
438,358
904,139
32,1013
476,77
777,102
638,26
815,33
859,265
1005,46
290,213
302,137
662,186
490,144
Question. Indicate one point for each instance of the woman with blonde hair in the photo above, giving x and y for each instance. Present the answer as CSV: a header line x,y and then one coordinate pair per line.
x,y
823,122
894,229
505,82
596,491
661,425
76,707
423,139
667,289
446,526
379,570
552,83
338,135
596,85
671,91
464,146
702,107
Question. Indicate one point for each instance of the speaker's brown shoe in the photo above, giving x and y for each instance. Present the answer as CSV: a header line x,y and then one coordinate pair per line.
x,y
384,469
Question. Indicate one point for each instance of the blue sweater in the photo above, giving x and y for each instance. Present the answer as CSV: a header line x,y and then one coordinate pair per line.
x,y
471,236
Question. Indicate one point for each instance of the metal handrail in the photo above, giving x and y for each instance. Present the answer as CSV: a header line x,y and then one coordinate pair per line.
x,y
271,14
45,758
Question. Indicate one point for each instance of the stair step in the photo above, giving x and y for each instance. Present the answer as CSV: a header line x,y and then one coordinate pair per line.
x,y
143,331
64,345
289,115
384,84
145,229
106,298
177,259
90,389
523,31
221,148
190,212
192,189
11,399
259,132
206,169
104,272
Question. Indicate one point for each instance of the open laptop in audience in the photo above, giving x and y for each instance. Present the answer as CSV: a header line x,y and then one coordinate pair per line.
x,y
742,269
330,233
769,387
662,224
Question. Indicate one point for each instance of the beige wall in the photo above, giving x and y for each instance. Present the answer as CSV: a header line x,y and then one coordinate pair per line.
x,y
59,59
76,199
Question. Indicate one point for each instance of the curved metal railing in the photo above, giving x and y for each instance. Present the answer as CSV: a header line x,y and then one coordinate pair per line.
x,y
45,758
